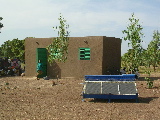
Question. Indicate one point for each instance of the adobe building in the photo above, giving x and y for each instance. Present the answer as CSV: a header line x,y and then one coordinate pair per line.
x,y
91,55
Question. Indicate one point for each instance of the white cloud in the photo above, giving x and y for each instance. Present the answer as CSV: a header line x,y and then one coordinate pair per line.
x,y
85,17
28,14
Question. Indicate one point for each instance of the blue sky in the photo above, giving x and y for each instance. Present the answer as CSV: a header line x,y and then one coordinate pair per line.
x,y
35,18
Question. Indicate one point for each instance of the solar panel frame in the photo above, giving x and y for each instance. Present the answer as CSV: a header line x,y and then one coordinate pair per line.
x,y
123,77
110,87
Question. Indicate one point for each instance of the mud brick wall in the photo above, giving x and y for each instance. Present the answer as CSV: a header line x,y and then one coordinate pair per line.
x,y
111,55
30,53
104,55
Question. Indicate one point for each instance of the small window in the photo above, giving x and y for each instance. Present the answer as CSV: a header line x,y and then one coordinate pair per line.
x,y
84,53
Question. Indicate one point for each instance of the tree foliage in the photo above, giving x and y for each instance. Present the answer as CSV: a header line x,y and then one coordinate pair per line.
x,y
13,49
58,49
126,58
153,52
137,56
1,25
133,35
6,49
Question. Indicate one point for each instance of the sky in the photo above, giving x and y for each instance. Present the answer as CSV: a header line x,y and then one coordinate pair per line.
x,y
36,18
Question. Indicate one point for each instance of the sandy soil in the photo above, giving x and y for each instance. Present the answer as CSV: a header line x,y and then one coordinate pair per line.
x,y
29,99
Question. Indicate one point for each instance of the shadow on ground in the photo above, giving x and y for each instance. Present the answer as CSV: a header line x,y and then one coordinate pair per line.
x,y
146,100
152,78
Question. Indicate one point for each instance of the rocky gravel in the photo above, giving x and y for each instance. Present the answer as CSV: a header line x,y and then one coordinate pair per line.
x,y
23,98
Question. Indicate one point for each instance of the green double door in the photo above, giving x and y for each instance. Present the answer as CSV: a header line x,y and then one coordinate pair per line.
x,y
41,54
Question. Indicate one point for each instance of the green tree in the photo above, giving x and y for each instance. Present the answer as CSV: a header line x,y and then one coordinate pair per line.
x,y
126,59
58,49
152,57
13,48
144,58
6,49
153,52
18,49
1,25
1,54
133,35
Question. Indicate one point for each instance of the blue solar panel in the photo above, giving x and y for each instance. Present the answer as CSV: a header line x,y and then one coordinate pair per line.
x,y
127,88
123,77
93,88
110,88
115,88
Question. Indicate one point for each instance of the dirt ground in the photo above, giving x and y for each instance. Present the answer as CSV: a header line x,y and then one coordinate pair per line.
x,y
29,99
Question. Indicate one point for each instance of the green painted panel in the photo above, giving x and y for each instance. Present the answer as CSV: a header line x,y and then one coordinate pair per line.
x,y
87,56
41,54
84,53
87,49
